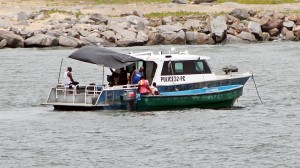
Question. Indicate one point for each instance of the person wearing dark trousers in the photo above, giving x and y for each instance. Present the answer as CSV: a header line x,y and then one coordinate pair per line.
x,y
68,78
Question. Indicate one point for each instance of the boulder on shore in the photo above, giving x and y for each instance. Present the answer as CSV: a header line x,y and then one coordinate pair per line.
x,y
218,28
41,40
241,14
70,42
13,40
3,43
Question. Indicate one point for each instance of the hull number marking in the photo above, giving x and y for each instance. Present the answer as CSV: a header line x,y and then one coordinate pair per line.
x,y
173,79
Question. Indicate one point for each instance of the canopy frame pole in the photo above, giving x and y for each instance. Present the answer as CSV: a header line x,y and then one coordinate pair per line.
x,y
103,75
60,70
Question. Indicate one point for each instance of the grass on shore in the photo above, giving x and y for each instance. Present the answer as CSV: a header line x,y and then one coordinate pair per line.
x,y
190,1
98,2
130,1
182,14
260,1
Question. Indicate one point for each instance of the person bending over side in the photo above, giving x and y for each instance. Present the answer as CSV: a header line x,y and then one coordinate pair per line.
x,y
143,86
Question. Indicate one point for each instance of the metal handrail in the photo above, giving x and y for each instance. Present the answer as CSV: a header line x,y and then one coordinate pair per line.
x,y
64,88
95,91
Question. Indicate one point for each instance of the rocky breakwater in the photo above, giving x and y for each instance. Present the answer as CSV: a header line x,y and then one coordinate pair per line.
x,y
73,29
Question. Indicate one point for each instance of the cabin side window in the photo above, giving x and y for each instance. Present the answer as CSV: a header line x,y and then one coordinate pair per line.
x,y
185,67
199,66
178,67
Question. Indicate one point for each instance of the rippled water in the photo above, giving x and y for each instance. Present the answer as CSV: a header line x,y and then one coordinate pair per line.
x,y
252,135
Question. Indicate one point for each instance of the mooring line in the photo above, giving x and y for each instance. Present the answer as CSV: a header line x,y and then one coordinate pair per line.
x,y
256,89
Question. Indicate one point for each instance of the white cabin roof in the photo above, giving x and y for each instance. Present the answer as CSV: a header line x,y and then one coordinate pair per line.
x,y
150,56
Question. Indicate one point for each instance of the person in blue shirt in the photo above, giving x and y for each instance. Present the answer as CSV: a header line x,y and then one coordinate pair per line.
x,y
136,75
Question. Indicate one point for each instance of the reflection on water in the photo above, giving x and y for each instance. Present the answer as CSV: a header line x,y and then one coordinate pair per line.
x,y
249,135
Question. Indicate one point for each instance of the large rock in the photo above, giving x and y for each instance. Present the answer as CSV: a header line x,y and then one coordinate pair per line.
x,y
254,19
180,1
22,16
194,38
101,28
231,19
264,20
167,20
142,37
98,18
13,40
247,36
126,42
155,22
169,28
296,30
218,28
135,20
289,35
235,40
25,33
118,24
86,20
266,36
268,13
99,41
96,34
172,37
54,33
232,31
255,29
84,33
277,15
192,24
288,24
109,35
41,40
3,43
73,33
126,33
241,14
138,13
155,39
70,42
202,1
5,24
274,32
283,31
292,18
273,23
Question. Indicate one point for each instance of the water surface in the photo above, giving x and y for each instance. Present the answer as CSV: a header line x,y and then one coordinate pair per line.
x,y
250,135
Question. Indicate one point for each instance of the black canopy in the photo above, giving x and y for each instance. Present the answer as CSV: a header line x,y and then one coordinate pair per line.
x,y
103,56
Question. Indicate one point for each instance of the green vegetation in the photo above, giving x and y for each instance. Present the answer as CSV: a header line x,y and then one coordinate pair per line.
x,y
260,1
130,1
98,2
47,13
183,13
78,14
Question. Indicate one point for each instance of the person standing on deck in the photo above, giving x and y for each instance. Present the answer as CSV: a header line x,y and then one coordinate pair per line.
x,y
68,78
136,75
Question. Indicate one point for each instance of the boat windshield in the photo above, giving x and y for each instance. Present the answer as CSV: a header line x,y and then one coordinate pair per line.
x,y
185,67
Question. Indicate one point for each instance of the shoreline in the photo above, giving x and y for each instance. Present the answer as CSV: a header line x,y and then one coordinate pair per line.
x,y
39,25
